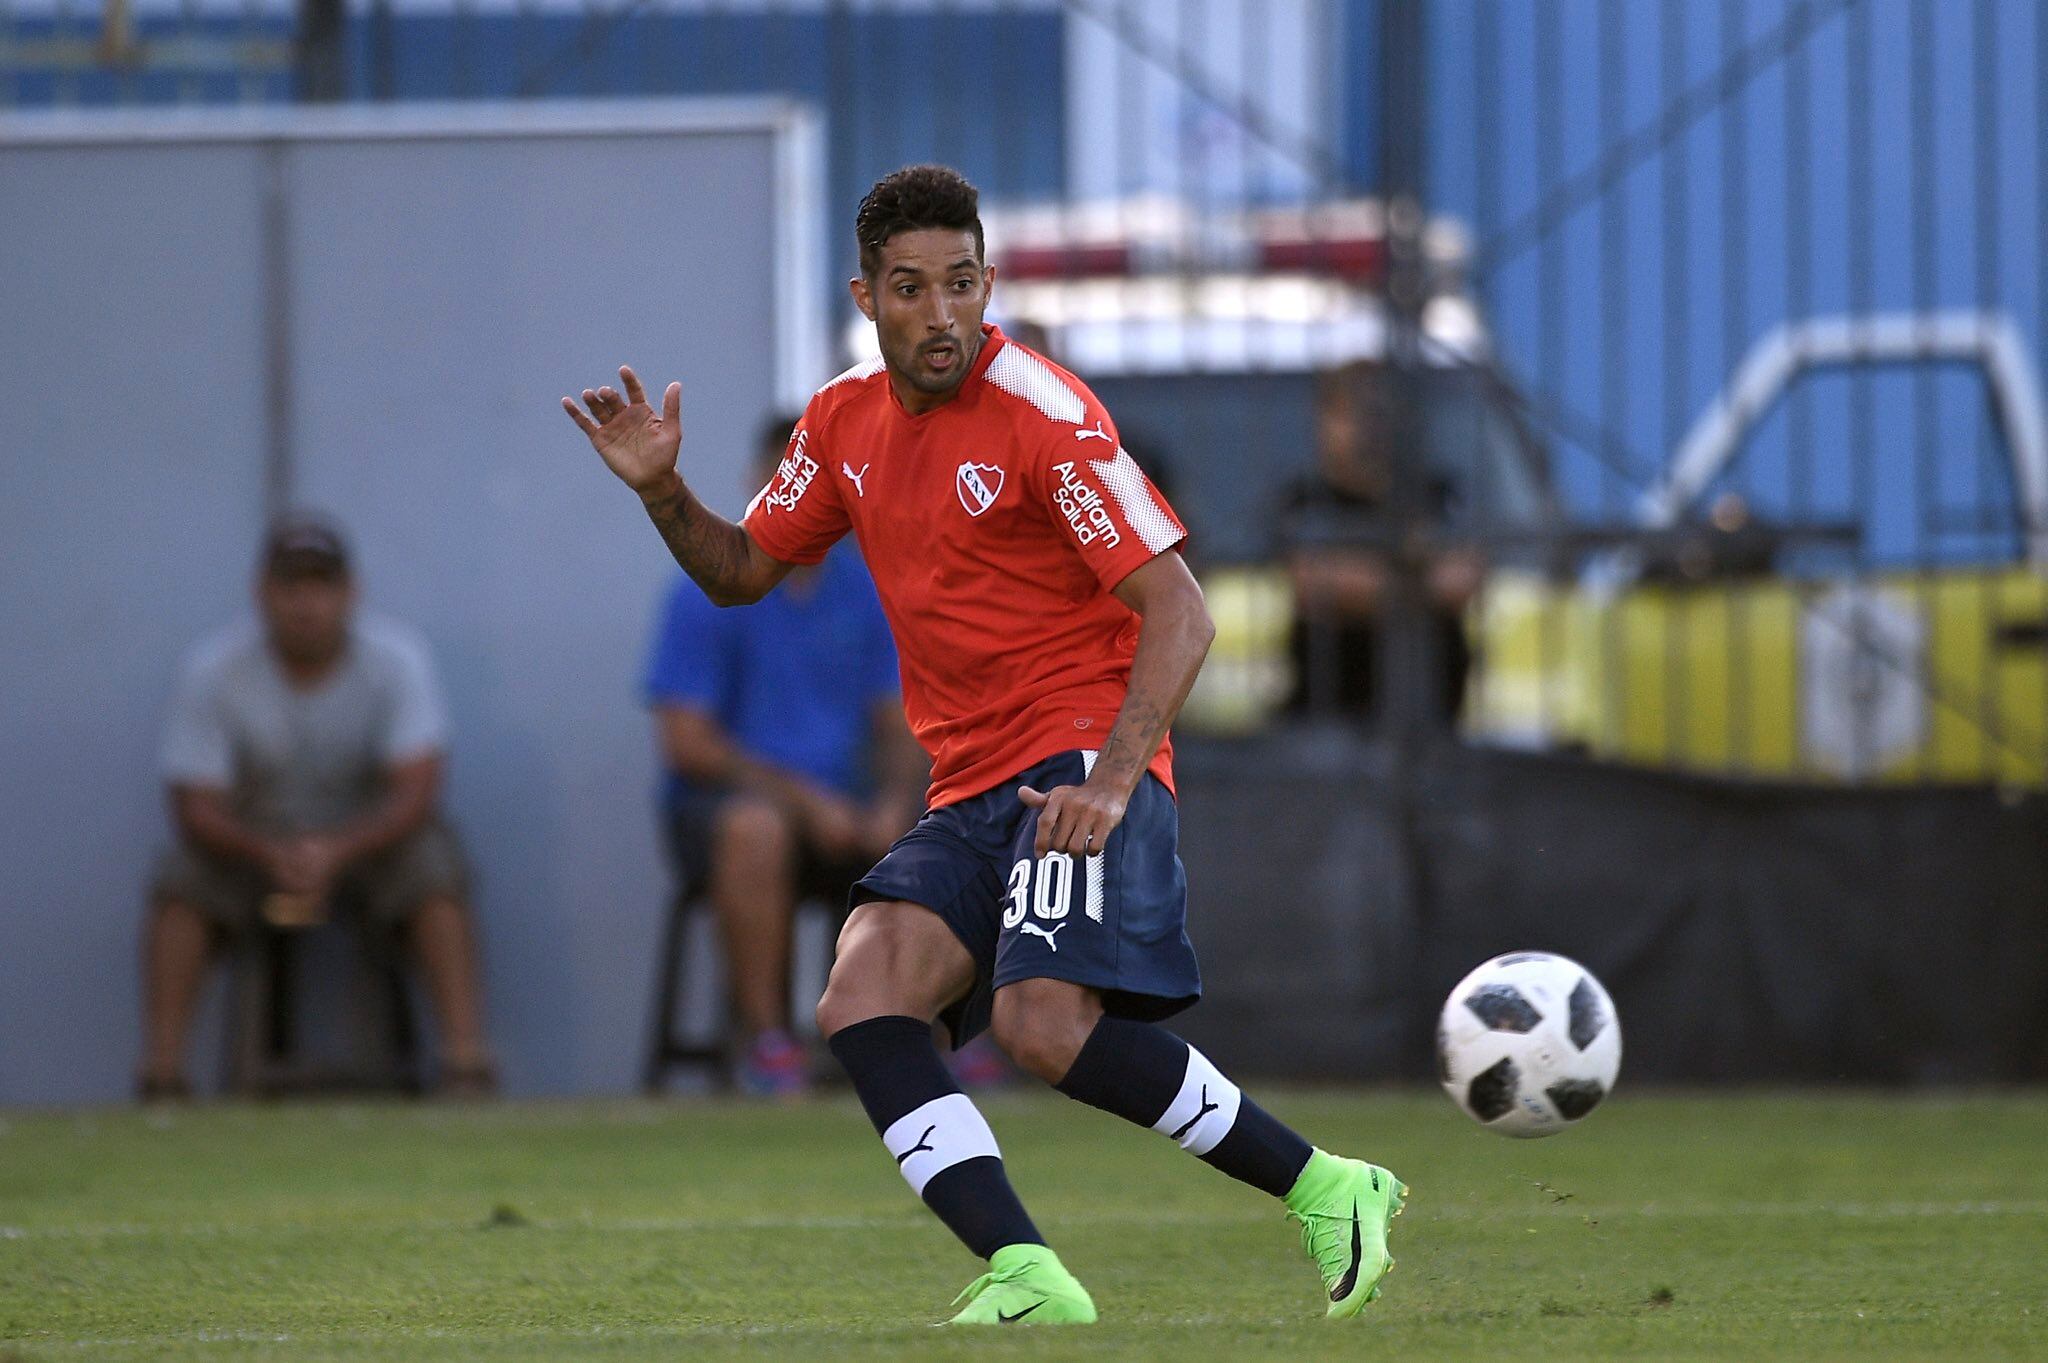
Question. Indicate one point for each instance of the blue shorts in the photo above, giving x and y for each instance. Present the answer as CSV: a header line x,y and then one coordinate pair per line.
x,y
1115,922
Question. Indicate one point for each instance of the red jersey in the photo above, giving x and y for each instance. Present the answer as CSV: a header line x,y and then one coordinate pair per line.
x,y
996,526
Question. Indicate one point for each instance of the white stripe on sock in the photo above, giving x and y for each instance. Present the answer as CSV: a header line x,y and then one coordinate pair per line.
x,y
931,1139
1204,1110
1093,870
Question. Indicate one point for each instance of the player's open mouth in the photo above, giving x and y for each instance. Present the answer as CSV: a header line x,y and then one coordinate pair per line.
x,y
941,357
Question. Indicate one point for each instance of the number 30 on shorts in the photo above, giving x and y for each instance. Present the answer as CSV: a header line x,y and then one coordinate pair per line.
x,y
1045,887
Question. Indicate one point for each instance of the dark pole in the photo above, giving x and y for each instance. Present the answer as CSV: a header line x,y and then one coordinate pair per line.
x,y
321,62
320,76
1411,718
278,479
383,51
1410,705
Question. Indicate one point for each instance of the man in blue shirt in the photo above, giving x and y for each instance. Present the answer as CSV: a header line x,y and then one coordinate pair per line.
x,y
789,768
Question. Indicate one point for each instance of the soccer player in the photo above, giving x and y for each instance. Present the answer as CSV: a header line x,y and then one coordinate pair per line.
x,y
1048,633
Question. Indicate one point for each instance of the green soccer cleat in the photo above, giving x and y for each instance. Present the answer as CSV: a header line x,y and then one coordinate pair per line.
x,y
1025,1285
1346,1207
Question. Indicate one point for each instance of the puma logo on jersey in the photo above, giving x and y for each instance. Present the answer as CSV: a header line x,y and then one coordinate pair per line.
x,y
1097,434
978,485
855,478
1037,931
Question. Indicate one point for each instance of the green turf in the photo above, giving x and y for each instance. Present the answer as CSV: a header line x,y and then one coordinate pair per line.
x,y
1765,1227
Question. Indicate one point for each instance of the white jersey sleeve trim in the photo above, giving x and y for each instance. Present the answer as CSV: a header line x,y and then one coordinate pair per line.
x,y
1126,482
1021,374
865,369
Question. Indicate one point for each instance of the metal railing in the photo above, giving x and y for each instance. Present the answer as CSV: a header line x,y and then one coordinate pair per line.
x,y
1770,305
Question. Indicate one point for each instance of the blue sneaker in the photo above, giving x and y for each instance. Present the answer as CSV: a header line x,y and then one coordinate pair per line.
x,y
775,1066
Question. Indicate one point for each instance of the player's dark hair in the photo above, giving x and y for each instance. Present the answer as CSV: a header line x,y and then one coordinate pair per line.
x,y
913,198
773,438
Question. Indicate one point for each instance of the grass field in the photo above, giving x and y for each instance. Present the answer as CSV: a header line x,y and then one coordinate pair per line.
x,y
1755,1227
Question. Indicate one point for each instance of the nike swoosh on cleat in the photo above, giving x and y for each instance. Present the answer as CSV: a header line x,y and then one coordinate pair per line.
x,y
1012,1320
1350,1278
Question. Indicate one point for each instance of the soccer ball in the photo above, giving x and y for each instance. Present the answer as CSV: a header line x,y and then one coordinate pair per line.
x,y
1528,1044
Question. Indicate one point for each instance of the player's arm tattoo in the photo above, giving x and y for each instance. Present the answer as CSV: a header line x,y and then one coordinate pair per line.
x,y
1140,728
711,549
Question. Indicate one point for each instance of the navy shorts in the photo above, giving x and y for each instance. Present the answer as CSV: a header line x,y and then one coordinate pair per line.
x,y
1115,921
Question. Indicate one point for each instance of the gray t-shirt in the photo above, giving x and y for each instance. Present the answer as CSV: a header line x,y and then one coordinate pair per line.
x,y
301,760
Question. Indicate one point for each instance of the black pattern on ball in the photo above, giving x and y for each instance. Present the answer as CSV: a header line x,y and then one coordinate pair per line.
x,y
1502,1007
1588,1017
1492,1091
1574,1098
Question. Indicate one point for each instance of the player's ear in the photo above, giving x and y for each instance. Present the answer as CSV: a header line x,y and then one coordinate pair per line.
x,y
988,282
863,296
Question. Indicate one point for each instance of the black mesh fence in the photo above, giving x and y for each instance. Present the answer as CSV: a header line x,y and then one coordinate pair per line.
x,y
1654,383
1670,369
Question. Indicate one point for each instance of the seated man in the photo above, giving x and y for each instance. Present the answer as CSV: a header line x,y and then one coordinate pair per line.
x,y
1340,588
304,757
790,768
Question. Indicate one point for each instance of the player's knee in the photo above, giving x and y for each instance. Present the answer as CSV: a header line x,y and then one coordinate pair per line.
x,y
894,960
871,974
847,1000
1043,1024
751,831
830,1014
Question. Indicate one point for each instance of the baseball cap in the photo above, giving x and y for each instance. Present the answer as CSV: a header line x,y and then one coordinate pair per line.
x,y
304,545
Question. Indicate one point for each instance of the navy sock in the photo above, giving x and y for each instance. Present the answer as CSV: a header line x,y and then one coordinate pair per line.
x,y
937,1136
1146,1074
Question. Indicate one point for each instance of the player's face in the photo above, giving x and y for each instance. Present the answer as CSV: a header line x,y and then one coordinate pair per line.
x,y
306,614
926,300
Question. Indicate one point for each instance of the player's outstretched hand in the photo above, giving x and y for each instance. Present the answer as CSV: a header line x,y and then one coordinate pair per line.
x,y
637,443
1074,819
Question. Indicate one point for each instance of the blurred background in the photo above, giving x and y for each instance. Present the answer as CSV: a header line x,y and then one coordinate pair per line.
x,y
1611,434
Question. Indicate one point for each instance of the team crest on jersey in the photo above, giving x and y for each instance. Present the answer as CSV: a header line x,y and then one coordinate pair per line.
x,y
978,485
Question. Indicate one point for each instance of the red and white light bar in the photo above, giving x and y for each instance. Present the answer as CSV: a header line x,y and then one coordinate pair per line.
x,y
1127,238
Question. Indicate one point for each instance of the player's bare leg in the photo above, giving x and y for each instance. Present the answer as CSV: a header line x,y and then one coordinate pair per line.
x,y
1147,1075
177,943
444,944
898,967
893,960
1043,1024
753,890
